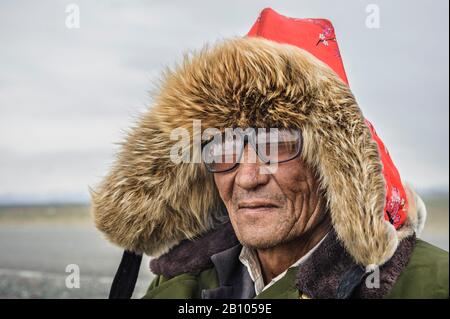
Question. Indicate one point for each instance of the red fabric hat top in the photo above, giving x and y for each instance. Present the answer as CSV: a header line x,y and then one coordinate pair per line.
x,y
317,36
313,35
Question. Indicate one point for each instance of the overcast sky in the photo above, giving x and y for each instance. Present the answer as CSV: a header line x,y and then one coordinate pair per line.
x,y
67,95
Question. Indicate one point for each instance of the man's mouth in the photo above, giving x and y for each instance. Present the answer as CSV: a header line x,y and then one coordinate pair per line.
x,y
256,205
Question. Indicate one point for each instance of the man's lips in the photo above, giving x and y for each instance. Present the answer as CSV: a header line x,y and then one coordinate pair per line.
x,y
256,205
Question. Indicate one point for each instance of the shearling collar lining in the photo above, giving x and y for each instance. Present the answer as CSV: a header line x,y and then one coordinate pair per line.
x,y
322,273
194,256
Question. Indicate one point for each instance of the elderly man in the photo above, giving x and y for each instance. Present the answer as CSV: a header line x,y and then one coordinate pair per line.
x,y
312,209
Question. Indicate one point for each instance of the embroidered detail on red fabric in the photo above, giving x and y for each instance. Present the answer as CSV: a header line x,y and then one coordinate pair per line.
x,y
394,204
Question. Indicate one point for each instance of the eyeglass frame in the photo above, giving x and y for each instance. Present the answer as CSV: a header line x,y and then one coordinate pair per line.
x,y
252,142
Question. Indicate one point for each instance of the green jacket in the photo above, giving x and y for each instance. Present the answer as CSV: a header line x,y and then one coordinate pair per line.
x,y
424,275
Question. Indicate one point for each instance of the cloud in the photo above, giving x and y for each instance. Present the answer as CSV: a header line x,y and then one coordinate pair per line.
x,y
66,96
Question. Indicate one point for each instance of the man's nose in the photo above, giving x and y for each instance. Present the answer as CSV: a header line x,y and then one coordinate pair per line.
x,y
250,172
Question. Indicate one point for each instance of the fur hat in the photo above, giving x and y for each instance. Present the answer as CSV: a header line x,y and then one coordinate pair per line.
x,y
148,204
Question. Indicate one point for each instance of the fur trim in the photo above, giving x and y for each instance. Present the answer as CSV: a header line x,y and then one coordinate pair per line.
x,y
421,215
192,257
417,212
322,273
149,204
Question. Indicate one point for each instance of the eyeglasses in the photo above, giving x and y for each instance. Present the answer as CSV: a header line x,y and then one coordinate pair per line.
x,y
224,152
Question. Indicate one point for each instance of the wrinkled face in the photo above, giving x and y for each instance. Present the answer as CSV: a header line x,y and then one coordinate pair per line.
x,y
267,209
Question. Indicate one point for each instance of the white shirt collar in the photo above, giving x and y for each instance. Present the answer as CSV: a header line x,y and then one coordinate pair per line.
x,y
249,259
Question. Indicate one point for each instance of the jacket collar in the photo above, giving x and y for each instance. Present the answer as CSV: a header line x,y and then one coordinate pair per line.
x,y
330,271
234,279
194,256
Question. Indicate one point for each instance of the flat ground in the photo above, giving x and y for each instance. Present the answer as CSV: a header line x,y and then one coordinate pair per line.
x,y
37,243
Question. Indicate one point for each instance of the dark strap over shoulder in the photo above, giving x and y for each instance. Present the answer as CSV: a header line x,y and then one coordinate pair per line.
x,y
126,276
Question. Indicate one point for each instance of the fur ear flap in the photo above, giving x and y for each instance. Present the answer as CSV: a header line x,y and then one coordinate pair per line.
x,y
148,204
339,146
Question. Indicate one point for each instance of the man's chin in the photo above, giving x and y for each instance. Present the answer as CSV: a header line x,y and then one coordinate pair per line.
x,y
261,232
259,242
